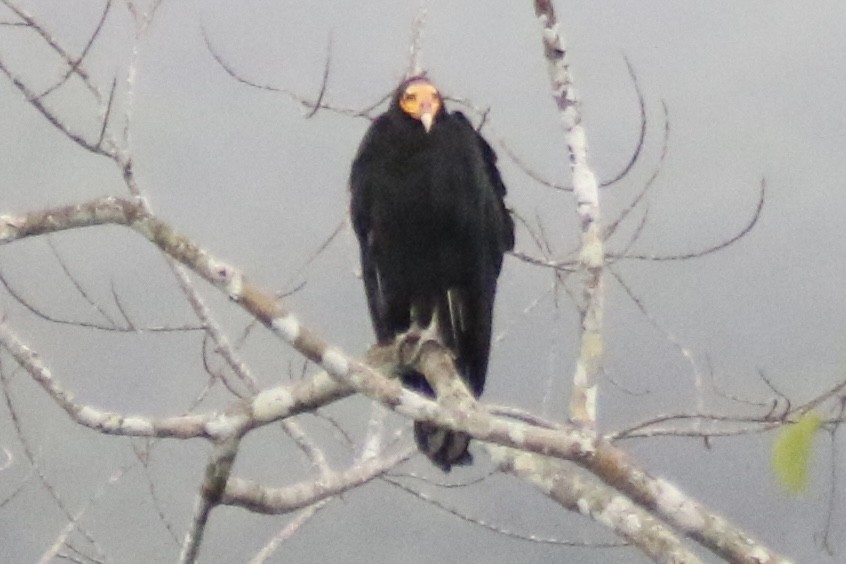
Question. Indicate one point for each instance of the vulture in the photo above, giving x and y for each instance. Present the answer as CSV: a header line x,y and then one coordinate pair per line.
x,y
427,206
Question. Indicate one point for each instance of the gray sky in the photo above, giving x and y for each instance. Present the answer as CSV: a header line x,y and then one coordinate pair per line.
x,y
754,90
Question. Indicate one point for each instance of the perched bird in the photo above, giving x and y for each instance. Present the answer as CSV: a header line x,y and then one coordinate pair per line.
x,y
427,208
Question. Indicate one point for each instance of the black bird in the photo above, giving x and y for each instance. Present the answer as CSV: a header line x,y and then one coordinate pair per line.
x,y
427,208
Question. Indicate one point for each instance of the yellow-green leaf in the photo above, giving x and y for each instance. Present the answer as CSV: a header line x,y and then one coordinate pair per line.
x,y
792,452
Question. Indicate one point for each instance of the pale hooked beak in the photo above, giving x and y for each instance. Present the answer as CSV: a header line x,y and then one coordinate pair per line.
x,y
427,114
426,120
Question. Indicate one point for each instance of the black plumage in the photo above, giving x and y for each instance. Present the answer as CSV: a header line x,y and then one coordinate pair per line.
x,y
427,208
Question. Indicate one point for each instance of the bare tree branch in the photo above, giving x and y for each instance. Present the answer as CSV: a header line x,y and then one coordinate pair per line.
x,y
311,106
756,215
263,499
586,191
604,506
288,531
496,528
218,471
74,64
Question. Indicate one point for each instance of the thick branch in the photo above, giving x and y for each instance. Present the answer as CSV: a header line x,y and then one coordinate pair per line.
x,y
218,470
262,499
269,405
586,191
608,508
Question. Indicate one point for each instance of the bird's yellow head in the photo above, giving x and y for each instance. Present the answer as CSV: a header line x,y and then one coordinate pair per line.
x,y
421,101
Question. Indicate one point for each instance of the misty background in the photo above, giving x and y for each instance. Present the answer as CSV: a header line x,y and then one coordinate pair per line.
x,y
754,90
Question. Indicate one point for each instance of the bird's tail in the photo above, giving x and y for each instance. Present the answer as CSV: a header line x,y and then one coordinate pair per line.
x,y
443,447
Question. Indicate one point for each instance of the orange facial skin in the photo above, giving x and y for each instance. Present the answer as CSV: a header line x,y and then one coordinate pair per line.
x,y
421,101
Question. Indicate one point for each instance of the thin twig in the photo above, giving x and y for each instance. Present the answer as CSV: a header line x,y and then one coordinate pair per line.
x,y
324,81
756,215
310,105
639,145
74,64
